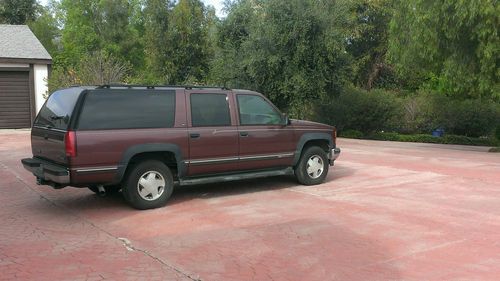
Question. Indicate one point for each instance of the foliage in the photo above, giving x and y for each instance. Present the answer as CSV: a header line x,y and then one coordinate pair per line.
x,y
356,109
293,51
351,134
156,23
17,11
46,29
425,138
99,68
367,43
427,111
452,46
188,48
91,26
379,110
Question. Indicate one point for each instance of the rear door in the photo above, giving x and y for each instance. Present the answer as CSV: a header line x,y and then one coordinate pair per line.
x,y
51,125
212,133
264,140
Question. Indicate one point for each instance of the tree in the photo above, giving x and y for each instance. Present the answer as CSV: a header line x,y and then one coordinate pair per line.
x,y
453,46
97,68
292,51
368,42
156,16
45,28
188,48
17,11
91,26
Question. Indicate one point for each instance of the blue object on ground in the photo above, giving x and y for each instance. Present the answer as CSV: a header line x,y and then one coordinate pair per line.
x,y
439,132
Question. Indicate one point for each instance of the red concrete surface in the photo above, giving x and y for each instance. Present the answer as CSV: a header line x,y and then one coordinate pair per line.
x,y
388,211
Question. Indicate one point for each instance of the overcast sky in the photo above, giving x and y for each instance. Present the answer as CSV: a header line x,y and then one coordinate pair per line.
x,y
216,3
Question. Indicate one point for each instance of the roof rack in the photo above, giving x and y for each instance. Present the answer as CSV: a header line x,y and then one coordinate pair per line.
x,y
131,86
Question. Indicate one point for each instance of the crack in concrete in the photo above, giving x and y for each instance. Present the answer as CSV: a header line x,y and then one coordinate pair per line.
x,y
125,241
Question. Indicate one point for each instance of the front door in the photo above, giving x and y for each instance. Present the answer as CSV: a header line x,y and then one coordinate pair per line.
x,y
265,141
212,133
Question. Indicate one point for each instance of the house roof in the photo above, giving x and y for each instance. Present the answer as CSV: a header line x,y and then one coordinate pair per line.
x,y
18,42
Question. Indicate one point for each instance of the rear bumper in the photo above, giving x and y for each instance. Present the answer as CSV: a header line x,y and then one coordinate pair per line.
x,y
333,155
46,172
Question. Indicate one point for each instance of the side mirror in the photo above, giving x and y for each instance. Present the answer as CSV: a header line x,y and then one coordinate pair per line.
x,y
286,120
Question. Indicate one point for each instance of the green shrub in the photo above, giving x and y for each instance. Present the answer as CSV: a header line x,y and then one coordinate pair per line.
x,y
473,118
418,113
359,110
447,139
352,134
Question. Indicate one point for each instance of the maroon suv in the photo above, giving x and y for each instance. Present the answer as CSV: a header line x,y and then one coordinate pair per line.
x,y
145,139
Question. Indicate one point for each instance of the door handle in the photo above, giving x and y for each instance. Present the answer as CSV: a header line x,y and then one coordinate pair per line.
x,y
244,134
194,135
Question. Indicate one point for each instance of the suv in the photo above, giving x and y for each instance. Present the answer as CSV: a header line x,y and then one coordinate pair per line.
x,y
145,139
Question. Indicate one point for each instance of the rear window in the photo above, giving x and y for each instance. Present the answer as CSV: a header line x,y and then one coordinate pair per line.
x,y
127,109
57,110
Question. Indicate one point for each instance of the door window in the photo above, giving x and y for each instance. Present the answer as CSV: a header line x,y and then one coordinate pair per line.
x,y
210,110
255,110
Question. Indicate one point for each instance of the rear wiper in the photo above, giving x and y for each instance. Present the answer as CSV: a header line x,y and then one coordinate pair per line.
x,y
55,117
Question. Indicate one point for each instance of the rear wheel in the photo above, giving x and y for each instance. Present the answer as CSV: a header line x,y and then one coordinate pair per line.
x,y
312,167
148,185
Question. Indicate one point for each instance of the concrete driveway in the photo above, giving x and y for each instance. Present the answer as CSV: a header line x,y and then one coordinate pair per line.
x,y
388,211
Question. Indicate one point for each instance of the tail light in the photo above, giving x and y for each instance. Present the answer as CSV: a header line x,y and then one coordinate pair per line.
x,y
334,135
70,143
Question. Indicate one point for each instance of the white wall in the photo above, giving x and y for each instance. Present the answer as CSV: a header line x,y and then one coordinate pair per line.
x,y
41,89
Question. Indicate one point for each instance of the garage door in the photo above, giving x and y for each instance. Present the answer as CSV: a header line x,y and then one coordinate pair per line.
x,y
14,99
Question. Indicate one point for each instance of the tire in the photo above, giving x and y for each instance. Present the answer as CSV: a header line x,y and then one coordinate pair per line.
x,y
313,166
148,185
111,189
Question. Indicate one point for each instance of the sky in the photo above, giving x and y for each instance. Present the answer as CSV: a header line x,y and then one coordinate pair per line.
x,y
216,3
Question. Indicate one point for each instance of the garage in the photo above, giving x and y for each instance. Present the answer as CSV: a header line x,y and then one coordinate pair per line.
x,y
24,72
14,99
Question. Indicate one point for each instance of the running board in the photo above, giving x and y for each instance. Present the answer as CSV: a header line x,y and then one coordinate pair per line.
x,y
235,177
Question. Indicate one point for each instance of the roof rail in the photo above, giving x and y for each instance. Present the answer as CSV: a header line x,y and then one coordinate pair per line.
x,y
130,86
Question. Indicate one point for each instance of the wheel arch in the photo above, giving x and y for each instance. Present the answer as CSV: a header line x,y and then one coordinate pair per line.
x,y
170,154
322,140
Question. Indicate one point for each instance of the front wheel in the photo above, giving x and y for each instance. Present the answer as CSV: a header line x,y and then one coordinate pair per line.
x,y
148,185
312,167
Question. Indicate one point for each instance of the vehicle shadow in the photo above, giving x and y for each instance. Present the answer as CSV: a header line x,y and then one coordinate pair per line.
x,y
79,199
230,188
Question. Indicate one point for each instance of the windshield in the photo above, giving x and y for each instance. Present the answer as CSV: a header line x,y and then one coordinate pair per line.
x,y
56,112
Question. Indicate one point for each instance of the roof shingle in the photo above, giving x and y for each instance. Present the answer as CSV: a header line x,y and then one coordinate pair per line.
x,y
17,41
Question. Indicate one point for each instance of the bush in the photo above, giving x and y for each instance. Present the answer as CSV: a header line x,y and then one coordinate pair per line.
x,y
351,134
420,113
97,68
447,139
359,110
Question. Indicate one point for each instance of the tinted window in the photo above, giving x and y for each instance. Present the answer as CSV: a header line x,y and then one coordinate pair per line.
x,y
255,110
125,109
56,112
210,110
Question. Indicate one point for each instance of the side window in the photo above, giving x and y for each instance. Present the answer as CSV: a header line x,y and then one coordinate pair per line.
x,y
127,109
254,110
210,110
